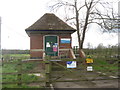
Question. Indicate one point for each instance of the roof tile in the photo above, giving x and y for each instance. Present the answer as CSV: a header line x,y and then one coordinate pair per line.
x,y
50,21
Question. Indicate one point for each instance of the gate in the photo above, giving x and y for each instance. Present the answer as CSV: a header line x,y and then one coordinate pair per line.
x,y
105,71
99,77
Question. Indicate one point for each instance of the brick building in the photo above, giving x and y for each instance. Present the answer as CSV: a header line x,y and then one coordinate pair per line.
x,y
49,35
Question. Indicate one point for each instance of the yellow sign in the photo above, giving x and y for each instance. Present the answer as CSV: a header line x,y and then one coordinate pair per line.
x,y
89,60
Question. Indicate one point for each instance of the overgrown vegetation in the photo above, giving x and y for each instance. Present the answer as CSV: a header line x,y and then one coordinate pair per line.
x,y
105,59
11,66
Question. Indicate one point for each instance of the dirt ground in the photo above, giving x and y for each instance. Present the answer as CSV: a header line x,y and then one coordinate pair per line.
x,y
88,79
92,79
88,84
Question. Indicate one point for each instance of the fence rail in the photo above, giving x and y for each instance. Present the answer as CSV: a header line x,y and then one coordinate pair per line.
x,y
50,67
19,72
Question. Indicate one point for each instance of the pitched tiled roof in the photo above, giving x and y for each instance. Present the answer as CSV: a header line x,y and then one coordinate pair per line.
x,y
49,22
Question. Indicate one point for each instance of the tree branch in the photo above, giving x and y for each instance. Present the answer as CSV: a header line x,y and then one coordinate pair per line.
x,y
68,19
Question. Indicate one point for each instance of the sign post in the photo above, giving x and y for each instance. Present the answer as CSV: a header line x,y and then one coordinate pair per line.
x,y
71,64
89,62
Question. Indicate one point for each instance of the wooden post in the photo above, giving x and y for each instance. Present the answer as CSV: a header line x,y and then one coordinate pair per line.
x,y
76,49
47,72
19,75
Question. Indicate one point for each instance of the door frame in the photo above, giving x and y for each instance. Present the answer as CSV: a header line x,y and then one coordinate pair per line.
x,y
44,42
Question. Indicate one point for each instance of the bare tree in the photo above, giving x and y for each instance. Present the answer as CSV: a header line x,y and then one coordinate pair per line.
x,y
82,14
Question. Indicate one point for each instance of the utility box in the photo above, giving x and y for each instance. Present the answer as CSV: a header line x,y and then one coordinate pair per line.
x,y
49,35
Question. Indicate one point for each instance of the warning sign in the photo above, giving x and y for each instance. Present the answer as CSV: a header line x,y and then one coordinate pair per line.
x,y
55,47
89,60
71,64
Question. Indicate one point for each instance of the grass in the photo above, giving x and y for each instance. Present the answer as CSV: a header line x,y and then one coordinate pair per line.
x,y
13,67
16,86
15,56
99,64
103,66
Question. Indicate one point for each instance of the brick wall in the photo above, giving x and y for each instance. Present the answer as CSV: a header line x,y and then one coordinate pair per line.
x,y
36,45
36,42
64,47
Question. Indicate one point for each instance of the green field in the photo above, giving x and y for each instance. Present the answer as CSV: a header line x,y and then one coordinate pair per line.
x,y
105,60
12,67
15,56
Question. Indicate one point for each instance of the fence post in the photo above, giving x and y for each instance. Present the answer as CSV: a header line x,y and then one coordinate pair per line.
x,y
19,75
47,72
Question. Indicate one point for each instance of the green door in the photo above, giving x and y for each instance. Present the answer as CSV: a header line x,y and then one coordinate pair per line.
x,y
51,45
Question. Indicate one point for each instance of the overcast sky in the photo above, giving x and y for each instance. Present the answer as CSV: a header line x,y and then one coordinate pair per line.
x,y
17,15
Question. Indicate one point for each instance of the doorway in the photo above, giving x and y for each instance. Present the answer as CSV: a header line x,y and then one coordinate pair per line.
x,y
51,45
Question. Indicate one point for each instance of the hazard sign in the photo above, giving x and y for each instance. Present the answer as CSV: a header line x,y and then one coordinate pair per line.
x,y
71,64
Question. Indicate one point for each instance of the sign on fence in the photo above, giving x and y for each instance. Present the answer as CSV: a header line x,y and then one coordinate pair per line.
x,y
89,60
71,64
89,68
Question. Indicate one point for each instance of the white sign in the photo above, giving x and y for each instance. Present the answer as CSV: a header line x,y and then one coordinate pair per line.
x,y
71,64
89,68
47,44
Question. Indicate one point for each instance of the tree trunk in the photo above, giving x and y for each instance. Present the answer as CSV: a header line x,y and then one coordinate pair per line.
x,y
84,30
78,31
86,24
